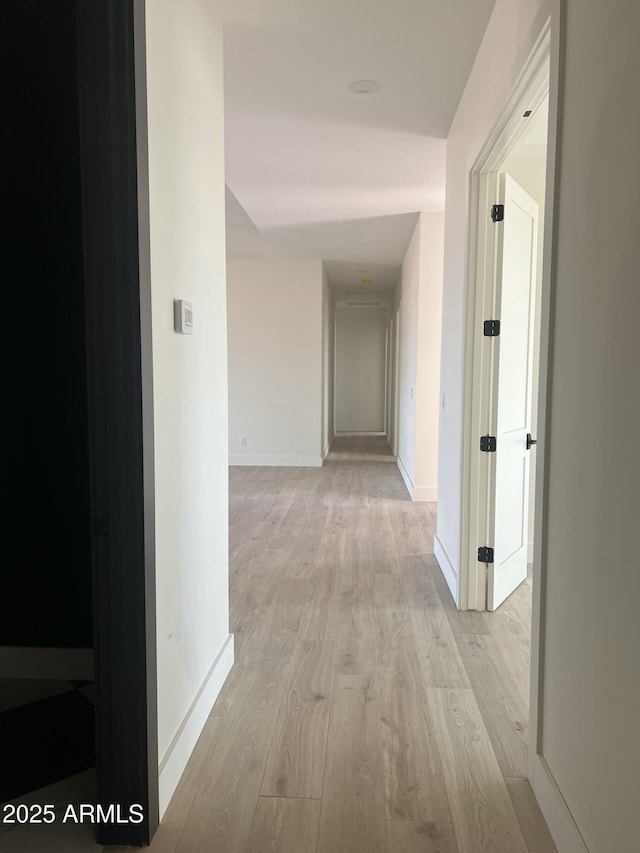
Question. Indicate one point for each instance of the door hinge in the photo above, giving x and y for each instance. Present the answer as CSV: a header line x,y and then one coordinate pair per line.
x,y
485,555
491,328
497,212
488,443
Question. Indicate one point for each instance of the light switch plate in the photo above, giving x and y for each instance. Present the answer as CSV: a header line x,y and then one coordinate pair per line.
x,y
182,317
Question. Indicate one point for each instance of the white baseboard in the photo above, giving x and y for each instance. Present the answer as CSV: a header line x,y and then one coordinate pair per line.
x,y
32,662
339,433
425,493
274,461
406,477
562,826
175,759
446,567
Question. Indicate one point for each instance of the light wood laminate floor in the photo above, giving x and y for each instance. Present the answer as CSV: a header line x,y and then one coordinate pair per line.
x,y
364,713
360,448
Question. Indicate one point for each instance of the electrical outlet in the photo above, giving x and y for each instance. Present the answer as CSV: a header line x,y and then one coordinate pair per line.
x,y
243,441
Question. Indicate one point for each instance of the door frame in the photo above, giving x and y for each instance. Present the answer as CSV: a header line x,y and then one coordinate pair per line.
x,y
550,45
115,188
396,379
529,92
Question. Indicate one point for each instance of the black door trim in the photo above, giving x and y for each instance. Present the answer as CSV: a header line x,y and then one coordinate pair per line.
x,y
112,96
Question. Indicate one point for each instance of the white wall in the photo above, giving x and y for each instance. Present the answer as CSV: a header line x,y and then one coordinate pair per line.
x,y
275,361
420,294
428,358
360,353
591,676
509,39
186,162
407,296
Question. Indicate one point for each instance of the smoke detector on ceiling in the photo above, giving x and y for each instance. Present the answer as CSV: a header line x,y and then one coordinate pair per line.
x,y
364,87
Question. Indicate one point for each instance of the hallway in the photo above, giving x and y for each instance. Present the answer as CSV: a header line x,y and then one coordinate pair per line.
x,y
364,713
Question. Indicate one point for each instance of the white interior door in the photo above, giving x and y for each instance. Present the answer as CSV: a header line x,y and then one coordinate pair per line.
x,y
512,390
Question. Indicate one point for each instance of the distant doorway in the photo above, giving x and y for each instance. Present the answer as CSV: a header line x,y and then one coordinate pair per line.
x,y
360,370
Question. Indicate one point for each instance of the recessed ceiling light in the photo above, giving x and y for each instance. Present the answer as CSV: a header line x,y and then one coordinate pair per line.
x,y
366,281
364,87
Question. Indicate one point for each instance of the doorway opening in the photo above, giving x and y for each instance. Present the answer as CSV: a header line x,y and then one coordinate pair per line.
x,y
364,378
504,329
535,98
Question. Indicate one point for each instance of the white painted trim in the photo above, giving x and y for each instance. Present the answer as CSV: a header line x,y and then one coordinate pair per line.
x,y
446,567
405,476
552,803
177,755
34,662
325,452
425,493
562,826
274,461
340,433
530,553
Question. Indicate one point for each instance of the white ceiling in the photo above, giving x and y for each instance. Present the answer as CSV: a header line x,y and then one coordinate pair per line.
x,y
316,171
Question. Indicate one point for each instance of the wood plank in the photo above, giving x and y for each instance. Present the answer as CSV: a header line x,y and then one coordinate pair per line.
x,y
223,808
353,763
356,578
395,628
530,817
256,581
356,641
383,547
230,689
414,787
483,815
353,823
514,639
319,623
295,765
442,665
333,544
252,633
284,825
421,837
504,709
419,579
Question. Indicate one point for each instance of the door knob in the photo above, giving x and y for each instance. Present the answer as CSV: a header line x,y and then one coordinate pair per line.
x,y
531,441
